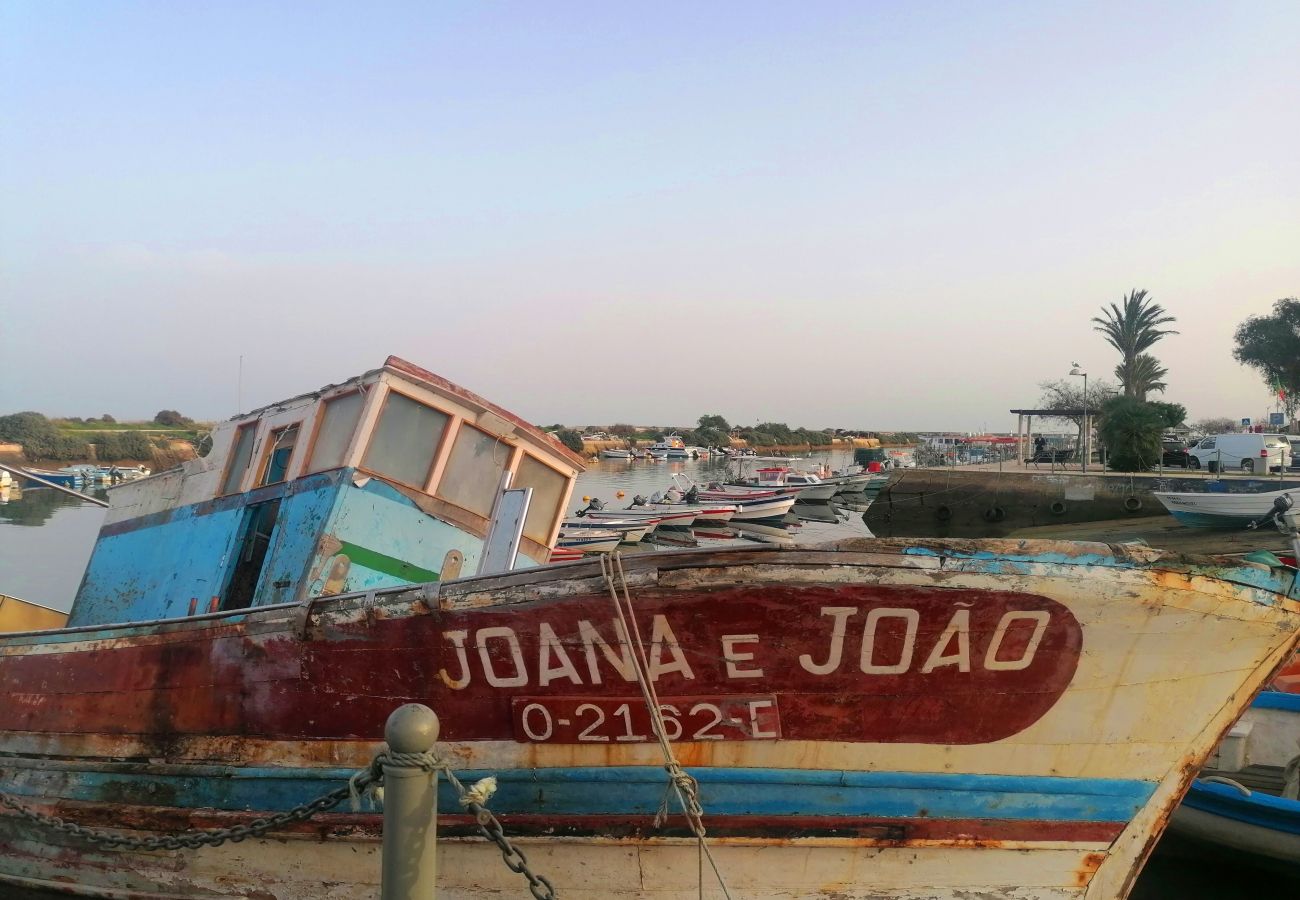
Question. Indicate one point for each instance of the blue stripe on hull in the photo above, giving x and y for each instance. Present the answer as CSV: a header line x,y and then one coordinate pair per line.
x,y
1211,520
1264,810
639,790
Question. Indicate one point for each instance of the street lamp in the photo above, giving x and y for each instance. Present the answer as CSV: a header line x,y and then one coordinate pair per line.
x,y
1086,449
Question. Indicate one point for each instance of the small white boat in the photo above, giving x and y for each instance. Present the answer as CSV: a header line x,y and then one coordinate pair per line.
x,y
672,447
662,518
673,501
633,530
1215,509
589,540
657,455
614,453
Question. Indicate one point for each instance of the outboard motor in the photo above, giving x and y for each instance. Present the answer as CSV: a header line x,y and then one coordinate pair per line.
x,y
637,500
593,504
692,496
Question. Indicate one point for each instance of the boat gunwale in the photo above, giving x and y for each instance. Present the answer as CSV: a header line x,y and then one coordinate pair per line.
x,y
853,551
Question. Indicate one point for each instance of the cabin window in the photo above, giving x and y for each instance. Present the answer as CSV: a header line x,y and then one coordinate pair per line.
x,y
334,433
278,455
548,493
405,440
473,472
241,452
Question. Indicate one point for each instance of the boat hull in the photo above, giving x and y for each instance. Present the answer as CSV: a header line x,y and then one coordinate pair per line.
x,y
1220,510
908,720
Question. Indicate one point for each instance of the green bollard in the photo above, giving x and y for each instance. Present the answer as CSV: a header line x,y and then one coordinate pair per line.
x,y
410,863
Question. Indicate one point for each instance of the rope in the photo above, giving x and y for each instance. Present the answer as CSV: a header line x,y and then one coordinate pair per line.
x,y
686,787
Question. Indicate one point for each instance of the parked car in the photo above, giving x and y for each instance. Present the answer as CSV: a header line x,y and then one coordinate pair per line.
x,y
1175,452
1242,453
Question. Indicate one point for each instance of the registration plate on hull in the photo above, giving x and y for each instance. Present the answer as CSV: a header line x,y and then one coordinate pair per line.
x,y
626,720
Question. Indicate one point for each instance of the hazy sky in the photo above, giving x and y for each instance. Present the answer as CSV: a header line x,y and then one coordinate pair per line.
x,y
888,215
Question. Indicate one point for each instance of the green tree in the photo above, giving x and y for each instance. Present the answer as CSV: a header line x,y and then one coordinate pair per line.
x,y
1132,328
570,438
1271,346
1143,376
172,419
115,446
1172,414
40,439
706,436
715,422
1130,429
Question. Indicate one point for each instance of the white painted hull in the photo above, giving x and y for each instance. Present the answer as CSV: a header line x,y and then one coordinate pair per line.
x,y
1216,510
815,493
704,514
306,868
756,510
616,454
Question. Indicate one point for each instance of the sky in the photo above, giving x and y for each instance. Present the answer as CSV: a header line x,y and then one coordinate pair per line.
x,y
860,215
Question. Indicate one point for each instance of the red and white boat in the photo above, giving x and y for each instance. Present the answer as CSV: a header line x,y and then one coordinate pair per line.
x,y
896,718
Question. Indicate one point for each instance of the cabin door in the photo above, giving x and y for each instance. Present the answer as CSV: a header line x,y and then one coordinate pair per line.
x,y
256,534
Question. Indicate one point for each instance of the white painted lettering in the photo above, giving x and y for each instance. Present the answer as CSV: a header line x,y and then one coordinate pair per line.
x,y
457,639
958,627
549,646
1040,618
481,638
755,706
868,664
661,637
621,661
734,656
840,626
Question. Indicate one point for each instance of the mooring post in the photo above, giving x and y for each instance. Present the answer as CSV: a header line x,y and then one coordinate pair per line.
x,y
410,808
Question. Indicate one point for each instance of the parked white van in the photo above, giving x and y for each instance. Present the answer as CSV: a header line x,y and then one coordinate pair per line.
x,y
1241,453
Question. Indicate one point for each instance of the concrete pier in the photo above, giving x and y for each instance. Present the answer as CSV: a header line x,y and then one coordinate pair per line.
x,y
981,501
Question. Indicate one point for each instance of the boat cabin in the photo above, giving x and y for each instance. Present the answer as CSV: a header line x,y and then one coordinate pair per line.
x,y
387,479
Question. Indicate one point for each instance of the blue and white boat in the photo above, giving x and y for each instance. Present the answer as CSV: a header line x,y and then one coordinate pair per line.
x,y
1247,800
1215,509
62,478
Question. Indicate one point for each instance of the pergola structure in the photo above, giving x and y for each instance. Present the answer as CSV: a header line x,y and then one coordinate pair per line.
x,y
1025,426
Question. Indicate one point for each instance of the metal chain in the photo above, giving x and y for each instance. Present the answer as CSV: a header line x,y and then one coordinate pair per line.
x,y
490,827
212,837
373,776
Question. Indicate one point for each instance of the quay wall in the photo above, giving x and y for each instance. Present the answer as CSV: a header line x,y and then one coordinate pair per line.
x,y
949,502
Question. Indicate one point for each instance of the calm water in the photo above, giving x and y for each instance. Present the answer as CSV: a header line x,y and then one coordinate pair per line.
x,y
46,538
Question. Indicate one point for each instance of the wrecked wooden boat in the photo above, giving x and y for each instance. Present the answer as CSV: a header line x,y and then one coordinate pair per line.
x,y
867,719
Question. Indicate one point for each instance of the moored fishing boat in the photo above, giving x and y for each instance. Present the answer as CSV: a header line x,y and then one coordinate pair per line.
x,y
590,540
62,479
596,511
673,501
1246,802
616,453
902,719
1220,509
633,530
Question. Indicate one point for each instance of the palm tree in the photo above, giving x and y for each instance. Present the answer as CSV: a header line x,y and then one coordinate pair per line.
x,y
1142,377
1132,328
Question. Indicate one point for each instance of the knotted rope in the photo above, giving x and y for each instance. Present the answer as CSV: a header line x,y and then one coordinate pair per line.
x,y
682,783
